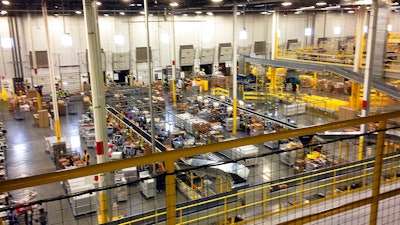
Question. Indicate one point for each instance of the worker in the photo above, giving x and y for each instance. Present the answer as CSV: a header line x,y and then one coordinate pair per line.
x,y
86,157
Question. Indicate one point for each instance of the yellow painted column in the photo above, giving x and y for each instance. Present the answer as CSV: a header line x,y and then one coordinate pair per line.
x,y
377,173
355,98
315,80
130,80
39,100
170,192
234,114
362,50
360,148
173,92
103,208
273,78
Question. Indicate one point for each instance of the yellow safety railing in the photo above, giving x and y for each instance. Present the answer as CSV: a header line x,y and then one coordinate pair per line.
x,y
220,91
267,199
255,95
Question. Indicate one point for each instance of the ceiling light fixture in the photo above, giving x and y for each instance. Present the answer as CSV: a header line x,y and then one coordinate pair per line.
x,y
198,12
216,0
351,11
298,12
265,13
306,8
98,3
5,2
3,12
122,13
142,12
210,13
286,3
173,4
320,3
78,12
106,14
332,7
185,14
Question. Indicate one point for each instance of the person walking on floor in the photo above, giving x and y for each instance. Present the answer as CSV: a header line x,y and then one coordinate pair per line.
x,y
42,217
86,157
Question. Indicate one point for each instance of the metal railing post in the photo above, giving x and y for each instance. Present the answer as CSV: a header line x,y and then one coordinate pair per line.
x,y
377,173
170,192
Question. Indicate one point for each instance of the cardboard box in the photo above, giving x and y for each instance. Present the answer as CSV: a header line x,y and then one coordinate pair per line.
x,y
346,113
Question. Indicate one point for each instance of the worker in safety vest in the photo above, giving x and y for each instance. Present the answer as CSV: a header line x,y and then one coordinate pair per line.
x,y
86,157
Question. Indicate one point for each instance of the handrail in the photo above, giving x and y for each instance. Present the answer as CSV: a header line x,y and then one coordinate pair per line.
x,y
47,178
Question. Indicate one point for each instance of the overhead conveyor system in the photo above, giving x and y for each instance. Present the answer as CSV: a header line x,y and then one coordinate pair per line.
x,y
339,70
252,112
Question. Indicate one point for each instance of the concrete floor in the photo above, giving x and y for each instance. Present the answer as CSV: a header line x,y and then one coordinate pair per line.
x,y
26,156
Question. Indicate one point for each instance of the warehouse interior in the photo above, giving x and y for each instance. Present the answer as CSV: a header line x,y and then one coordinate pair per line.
x,y
199,112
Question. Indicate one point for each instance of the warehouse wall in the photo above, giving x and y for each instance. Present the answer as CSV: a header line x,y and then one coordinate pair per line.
x,y
200,31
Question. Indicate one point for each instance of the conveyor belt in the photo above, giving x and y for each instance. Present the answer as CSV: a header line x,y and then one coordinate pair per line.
x,y
340,70
252,112
136,129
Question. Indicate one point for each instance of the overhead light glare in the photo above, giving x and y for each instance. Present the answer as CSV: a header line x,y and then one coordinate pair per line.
x,y
3,12
306,8
332,7
173,4
142,12
185,14
351,11
286,3
78,12
198,12
320,3
393,4
210,13
106,14
298,12
122,13
265,13
5,2
216,0
98,3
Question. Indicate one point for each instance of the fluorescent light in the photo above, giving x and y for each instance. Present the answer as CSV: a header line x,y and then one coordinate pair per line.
x,y
3,12
216,0
7,42
305,8
332,7
390,27
337,30
298,12
185,14
243,34
308,31
119,39
122,13
173,4
286,3
98,3
210,13
78,12
66,40
142,12
106,14
5,2
351,11
265,13
321,3
198,12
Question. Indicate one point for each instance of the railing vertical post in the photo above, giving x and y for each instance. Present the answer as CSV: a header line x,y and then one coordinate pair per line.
x,y
377,173
170,192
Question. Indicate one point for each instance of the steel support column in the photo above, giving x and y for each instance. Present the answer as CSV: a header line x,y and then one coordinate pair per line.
x,y
52,78
234,68
98,102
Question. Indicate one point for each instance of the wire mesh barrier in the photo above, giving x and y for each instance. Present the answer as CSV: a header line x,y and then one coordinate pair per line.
x,y
335,180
